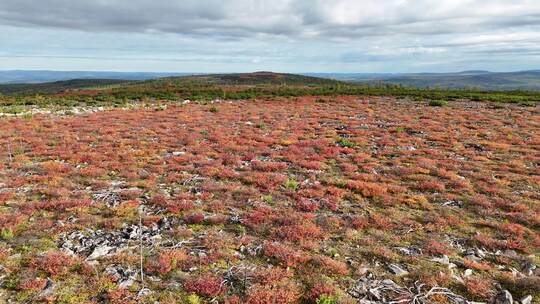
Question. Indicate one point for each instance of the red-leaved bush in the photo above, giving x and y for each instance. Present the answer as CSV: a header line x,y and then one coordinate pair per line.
x,y
205,285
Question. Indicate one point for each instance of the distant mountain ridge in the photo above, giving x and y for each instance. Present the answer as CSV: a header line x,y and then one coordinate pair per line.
x,y
485,80
233,79
43,76
15,82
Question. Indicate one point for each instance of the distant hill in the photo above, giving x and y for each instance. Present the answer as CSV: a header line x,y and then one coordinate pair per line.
x,y
57,86
256,78
246,79
483,80
17,76
526,80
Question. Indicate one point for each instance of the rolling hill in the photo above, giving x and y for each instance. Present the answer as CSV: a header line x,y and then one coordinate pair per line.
x,y
484,80
239,79
57,86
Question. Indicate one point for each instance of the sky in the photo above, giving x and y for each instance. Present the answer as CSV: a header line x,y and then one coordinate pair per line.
x,y
207,36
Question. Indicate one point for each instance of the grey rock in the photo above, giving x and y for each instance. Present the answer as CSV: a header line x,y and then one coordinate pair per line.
x,y
126,283
442,260
144,292
97,243
412,251
453,203
99,252
397,270
473,258
511,254
362,270
529,268
48,289
503,297
526,300
125,277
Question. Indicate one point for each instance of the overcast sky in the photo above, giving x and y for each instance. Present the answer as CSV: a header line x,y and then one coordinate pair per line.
x,y
277,35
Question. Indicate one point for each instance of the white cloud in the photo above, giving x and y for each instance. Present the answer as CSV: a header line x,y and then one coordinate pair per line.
x,y
286,34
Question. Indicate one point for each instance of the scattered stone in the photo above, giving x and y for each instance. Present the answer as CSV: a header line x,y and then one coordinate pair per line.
x,y
475,146
503,297
144,292
475,255
412,251
125,277
178,153
529,268
47,290
99,252
126,284
526,300
414,132
453,203
239,278
95,244
444,260
361,271
369,290
111,198
511,254
468,273
397,270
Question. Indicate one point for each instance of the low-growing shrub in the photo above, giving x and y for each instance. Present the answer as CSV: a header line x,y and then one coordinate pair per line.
x,y
437,103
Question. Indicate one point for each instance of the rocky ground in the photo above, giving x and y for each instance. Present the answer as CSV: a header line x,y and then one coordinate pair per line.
x,y
285,200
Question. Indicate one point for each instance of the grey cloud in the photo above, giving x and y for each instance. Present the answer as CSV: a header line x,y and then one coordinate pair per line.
x,y
293,34
292,18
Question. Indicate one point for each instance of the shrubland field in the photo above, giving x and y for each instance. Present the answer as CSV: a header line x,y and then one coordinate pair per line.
x,y
251,194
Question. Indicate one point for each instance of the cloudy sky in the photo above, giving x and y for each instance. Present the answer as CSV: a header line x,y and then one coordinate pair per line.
x,y
277,35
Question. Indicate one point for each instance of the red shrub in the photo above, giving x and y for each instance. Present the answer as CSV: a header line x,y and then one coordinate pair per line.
x,y
359,222
54,263
265,181
306,205
206,286
299,232
431,185
178,206
166,261
283,292
63,205
381,222
477,265
5,196
367,189
330,266
312,165
434,247
272,275
479,288
513,230
320,289
258,217
92,171
194,218
32,284
268,166
121,296
284,254
159,200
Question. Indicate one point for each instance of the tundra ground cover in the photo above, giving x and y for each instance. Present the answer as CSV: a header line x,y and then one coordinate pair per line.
x,y
278,200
